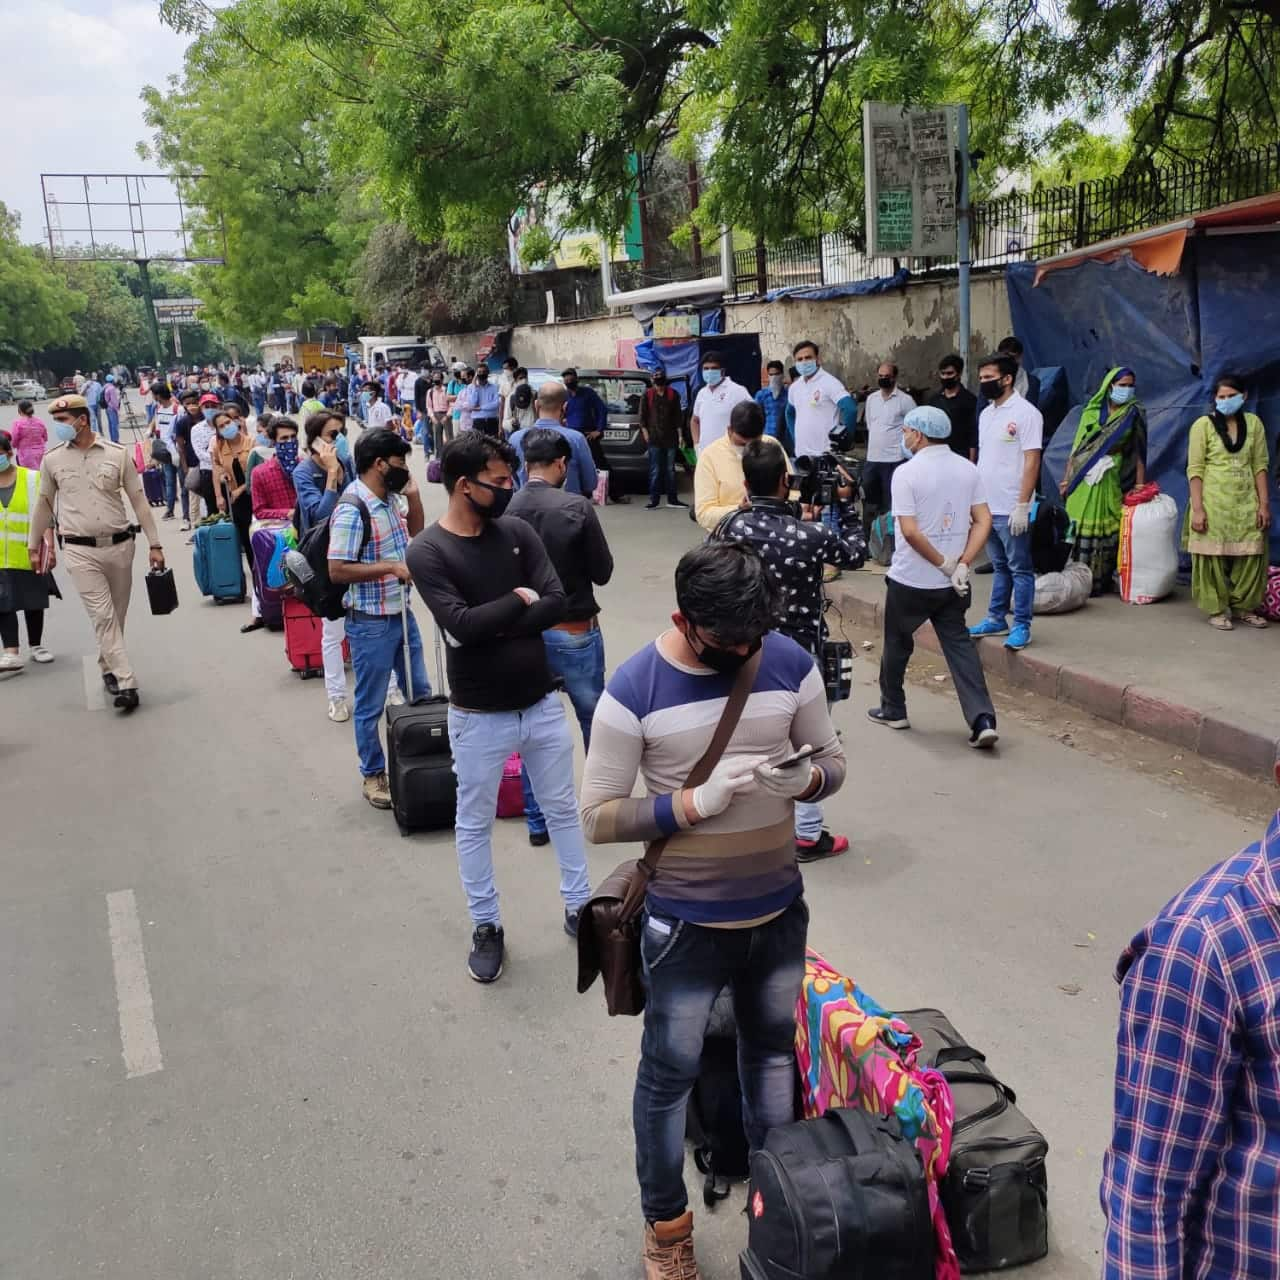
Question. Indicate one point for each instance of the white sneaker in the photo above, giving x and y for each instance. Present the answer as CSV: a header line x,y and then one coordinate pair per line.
x,y
41,654
339,712
11,662
395,698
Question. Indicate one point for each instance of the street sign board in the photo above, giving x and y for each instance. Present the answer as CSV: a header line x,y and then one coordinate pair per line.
x,y
679,325
178,310
910,163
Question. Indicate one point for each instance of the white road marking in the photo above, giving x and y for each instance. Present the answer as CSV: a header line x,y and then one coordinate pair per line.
x,y
93,688
138,1038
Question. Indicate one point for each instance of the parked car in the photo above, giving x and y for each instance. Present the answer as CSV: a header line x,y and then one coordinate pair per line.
x,y
67,386
28,389
6,396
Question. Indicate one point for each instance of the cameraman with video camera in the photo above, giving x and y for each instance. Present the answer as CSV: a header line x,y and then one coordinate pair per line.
x,y
795,543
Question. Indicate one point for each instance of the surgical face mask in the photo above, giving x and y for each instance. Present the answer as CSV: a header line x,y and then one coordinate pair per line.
x,y
885,384
287,454
806,368
498,506
262,440
395,478
65,431
740,450
342,448
229,432
725,661
775,382
209,414
907,454
1228,405
1122,395
712,376
991,388
5,462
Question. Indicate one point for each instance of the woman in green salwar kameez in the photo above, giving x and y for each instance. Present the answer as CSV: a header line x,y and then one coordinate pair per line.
x,y
1108,458
1229,518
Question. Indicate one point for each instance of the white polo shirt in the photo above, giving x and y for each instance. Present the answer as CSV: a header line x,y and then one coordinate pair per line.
x,y
884,424
939,488
814,400
1005,432
713,407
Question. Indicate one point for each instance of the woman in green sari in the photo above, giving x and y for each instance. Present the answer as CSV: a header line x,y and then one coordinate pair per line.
x,y
1108,458
1229,518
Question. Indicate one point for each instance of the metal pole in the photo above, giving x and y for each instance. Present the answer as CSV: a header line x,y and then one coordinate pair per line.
x,y
962,229
157,351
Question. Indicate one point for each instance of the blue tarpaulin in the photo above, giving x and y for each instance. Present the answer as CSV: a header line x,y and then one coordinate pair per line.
x,y
860,288
1178,333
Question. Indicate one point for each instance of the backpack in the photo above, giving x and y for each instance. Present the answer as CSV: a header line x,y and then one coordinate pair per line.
x,y
841,1197
307,568
881,540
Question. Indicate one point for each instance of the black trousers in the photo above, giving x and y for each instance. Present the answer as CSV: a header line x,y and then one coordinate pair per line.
x,y
9,628
906,610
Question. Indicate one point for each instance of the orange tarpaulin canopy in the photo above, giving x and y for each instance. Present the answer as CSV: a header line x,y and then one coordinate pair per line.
x,y
1159,249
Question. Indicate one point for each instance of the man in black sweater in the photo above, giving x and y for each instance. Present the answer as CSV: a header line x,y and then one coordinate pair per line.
x,y
580,555
492,591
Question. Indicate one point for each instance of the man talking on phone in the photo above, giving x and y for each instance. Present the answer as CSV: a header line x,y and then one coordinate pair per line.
x,y
725,906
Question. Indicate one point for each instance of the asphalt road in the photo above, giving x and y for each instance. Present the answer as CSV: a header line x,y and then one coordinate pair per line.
x,y
325,1093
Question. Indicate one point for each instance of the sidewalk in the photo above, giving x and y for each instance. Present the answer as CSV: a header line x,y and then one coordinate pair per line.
x,y
1158,669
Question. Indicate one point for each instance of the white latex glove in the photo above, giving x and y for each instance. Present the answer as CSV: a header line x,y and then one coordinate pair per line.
x,y
730,776
1020,519
787,783
527,594
948,566
1099,469
960,580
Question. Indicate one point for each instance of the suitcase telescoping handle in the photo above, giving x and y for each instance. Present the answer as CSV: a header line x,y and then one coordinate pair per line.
x,y
404,626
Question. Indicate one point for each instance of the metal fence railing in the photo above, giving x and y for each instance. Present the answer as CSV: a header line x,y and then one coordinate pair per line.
x,y
1030,225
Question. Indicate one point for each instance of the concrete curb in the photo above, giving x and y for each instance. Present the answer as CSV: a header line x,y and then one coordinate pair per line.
x,y
1248,747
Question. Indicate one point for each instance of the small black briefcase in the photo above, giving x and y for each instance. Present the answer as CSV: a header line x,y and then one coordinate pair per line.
x,y
162,591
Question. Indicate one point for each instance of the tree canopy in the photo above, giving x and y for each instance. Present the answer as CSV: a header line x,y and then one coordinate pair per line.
x,y
319,120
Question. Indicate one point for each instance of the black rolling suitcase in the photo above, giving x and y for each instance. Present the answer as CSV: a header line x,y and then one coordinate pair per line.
x,y
713,1122
153,486
424,791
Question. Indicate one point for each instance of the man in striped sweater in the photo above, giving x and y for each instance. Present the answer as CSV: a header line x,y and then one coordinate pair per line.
x,y
725,905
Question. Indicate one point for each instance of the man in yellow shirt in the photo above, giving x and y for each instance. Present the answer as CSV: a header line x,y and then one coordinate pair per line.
x,y
719,488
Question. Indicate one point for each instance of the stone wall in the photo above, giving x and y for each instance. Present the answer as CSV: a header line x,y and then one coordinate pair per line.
x,y
916,326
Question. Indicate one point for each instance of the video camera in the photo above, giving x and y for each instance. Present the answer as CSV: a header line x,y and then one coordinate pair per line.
x,y
820,477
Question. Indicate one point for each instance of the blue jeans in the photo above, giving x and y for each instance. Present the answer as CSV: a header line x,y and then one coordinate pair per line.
x,y
377,649
259,402
151,411
113,424
173,488
662,472
1014,577
579,661
685,968
481,742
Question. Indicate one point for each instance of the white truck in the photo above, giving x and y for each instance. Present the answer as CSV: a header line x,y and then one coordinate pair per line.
x,y
406,349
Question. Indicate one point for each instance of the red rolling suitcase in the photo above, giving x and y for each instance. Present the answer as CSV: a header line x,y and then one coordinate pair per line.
x,y
303,639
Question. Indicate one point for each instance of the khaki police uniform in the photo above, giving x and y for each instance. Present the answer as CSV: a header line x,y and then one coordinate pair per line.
x,y
90,487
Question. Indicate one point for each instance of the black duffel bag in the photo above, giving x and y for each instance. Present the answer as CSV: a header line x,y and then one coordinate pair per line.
x,y
842,1197
996,1192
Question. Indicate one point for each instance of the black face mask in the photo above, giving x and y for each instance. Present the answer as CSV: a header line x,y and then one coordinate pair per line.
x,y
886,384
949,379
501,500
570,383
395,478
725,661
991,388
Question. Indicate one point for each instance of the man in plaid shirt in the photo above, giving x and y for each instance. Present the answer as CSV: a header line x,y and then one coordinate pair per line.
x,y
370,558
1191,1180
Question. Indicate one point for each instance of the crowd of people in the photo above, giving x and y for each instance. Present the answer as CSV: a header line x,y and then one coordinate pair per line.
x,y
509,574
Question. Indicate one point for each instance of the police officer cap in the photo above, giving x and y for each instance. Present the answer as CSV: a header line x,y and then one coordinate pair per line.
x,y
68,404
929,420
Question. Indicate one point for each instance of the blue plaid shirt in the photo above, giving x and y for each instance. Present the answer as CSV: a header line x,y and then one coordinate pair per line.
x,y
775,411
1191,1180
389,541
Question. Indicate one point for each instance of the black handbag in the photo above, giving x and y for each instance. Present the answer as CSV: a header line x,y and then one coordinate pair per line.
x,y
996,1192
162,591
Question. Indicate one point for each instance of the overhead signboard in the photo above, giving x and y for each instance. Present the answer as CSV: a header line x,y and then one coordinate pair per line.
x,y
178,310
910,163
678,325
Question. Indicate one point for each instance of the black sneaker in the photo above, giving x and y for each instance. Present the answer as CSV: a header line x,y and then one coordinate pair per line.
x,y
825,846
878,715
571,919
675,502
127,700
984,735
112,685
539,838
485,962
651,506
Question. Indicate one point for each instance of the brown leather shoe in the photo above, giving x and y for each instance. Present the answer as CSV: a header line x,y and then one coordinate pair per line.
x,y
668,1250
